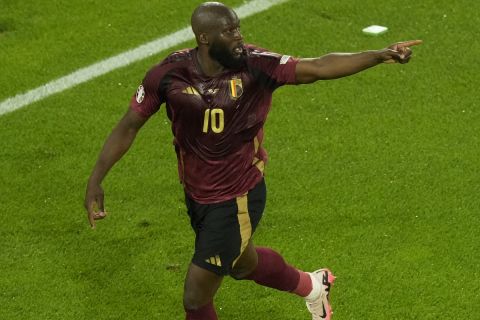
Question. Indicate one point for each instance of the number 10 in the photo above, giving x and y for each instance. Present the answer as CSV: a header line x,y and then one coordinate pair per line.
x,y
213,118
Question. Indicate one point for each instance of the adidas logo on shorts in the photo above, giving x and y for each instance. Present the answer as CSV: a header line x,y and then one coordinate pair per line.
x,y
214,260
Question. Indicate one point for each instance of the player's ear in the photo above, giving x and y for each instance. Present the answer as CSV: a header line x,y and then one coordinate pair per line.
x,y
203,38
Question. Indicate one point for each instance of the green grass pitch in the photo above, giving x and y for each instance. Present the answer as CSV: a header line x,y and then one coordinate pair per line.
x,y
375,176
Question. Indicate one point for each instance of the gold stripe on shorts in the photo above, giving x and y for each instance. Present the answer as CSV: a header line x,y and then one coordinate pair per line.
x,y
244,223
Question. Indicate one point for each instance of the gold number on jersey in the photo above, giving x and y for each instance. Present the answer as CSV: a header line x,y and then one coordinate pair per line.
x,y
215,119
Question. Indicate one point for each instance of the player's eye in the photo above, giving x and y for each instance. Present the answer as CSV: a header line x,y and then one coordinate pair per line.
x,y
232,31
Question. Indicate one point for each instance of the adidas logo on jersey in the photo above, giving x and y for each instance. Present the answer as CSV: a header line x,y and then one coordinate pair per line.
x,y
190,90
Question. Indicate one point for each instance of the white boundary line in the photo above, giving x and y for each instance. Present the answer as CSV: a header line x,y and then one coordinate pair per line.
x,y
119,61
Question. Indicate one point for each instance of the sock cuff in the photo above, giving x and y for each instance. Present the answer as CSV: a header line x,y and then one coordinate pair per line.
x,y
316,289
304,286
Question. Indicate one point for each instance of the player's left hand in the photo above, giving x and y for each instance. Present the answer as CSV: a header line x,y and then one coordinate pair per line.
x,y
399,52
94,203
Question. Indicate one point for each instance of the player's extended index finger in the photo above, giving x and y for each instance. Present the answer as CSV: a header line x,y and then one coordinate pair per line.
x,y
409,43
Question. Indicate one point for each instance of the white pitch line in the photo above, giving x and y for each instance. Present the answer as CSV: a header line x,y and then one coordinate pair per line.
x,y
119,61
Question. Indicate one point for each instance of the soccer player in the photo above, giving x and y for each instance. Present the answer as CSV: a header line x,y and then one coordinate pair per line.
x,y
217,97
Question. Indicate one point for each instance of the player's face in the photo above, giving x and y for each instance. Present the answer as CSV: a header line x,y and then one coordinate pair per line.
x,y
227,44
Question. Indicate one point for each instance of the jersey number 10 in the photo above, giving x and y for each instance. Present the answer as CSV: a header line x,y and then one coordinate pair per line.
x,y
214,119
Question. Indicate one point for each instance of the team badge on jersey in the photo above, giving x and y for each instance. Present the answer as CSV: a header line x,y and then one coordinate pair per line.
x,y
236,88
140,94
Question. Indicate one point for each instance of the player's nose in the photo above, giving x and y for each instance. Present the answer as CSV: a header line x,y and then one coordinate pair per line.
x,y
237,34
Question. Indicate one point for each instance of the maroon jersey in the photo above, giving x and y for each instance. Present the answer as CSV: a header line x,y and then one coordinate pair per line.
x,y
217,122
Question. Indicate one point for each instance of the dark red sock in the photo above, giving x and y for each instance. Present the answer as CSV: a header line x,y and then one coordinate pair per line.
x,y
207,312
305,285
272,271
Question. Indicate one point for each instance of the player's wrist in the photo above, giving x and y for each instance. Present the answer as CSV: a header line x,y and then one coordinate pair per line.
x,y
380,56
94,180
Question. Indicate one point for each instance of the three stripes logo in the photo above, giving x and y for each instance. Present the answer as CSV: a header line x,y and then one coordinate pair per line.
x,y
214,260
190,90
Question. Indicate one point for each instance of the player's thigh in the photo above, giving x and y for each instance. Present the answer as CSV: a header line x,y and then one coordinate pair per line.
x,y
255,204
223,230
246,264
217,236
200,287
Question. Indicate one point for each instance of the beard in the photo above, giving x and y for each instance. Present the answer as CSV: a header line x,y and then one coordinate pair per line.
x,y
221,53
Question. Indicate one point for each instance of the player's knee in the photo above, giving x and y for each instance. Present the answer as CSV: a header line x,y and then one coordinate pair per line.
x,y
192,302
242,273
194,299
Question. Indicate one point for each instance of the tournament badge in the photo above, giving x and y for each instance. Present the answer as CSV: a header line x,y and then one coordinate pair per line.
x,y
236,88
140,94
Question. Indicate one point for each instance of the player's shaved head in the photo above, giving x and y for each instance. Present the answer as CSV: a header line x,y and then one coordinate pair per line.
x,y
217,31
209,16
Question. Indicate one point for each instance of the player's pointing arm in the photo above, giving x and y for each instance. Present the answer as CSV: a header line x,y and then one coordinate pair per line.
x,y
337,65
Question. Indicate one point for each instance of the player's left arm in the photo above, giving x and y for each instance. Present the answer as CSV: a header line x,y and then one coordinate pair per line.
x,y
338,65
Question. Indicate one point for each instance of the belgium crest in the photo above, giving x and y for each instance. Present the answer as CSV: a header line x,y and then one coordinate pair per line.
x,y
236,88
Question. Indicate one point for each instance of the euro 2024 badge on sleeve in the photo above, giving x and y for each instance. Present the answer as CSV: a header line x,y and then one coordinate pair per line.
x,y
140,94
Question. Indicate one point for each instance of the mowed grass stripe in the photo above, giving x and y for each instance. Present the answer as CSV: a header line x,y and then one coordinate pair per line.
x,y
121,60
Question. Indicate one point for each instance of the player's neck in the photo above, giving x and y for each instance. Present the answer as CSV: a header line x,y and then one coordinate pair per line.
x,y
208,66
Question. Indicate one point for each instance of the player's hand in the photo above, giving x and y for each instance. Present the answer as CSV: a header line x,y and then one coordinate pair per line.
x,y
94,203
399,52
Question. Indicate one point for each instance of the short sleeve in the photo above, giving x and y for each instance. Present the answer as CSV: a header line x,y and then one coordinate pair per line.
x,y
272,68
149,96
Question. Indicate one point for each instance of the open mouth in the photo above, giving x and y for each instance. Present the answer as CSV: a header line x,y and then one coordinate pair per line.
x,y
238,51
